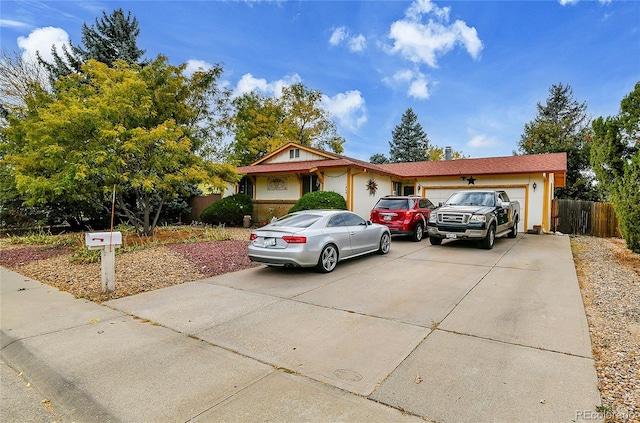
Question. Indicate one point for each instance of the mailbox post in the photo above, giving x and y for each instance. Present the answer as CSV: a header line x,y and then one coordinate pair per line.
x,y
106,242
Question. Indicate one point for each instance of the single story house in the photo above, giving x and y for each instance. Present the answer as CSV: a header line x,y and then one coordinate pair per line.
x,y
279,179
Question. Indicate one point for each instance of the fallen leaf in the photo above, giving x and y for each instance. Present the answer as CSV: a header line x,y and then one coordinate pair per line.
x,y
418,379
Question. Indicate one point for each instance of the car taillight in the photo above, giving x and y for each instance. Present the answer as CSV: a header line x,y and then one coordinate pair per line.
x,y
408,214
289,239
252,237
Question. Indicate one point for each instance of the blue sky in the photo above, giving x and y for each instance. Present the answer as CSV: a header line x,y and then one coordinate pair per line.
x,y
472,71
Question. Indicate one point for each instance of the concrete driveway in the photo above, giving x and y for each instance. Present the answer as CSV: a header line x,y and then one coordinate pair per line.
x,y
449,333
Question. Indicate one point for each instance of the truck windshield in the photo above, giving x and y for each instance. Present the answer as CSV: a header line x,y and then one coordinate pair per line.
x,y
471,199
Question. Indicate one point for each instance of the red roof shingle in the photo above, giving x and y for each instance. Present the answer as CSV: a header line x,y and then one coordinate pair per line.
x,y
536,163
553,163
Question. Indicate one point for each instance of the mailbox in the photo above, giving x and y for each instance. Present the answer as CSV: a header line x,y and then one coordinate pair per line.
x,y
100,240
107,242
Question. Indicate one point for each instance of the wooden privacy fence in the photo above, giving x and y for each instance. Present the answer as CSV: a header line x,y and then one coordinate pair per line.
x,y
584,218
198,204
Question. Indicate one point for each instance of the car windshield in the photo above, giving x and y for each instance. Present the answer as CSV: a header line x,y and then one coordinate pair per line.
x,y
303,220
393,204
471,199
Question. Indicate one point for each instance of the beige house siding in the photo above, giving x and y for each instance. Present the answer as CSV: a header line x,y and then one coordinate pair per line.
x,y
277,187
302,156
362,199
277,181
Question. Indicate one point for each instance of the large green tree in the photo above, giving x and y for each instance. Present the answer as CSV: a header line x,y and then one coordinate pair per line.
x,y
409,142
615,157
562,125
137,128
262,124
113,37
258,127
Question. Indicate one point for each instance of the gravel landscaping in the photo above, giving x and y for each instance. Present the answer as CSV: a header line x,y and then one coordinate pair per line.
x,y
609,278
608,274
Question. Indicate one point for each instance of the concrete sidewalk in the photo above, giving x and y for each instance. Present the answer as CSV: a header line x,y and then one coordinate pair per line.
x,y
449,334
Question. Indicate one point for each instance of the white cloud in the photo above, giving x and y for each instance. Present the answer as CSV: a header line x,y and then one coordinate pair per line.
x,y
347,108
417,82
419,89
424,42
482,141
403,75
341,35
338,35
40,40
194,66
249,83
357,43
7,23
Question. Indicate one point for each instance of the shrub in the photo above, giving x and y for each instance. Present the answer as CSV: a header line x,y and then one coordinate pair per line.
x,y
229,210
627,203
320,200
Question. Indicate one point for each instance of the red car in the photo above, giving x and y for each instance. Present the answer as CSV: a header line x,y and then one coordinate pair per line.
x,y
403,215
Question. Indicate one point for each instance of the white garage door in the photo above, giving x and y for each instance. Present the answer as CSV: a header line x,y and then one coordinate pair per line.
x,y
437,195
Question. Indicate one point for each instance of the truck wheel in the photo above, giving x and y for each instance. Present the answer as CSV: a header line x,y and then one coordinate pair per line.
x,y
514,231
435,240
418,233
487,242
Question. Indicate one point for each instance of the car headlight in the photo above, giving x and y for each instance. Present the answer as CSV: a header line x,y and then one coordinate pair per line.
x,y
478,218
433,218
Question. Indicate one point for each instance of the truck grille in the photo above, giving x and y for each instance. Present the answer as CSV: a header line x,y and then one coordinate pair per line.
x,y
453,218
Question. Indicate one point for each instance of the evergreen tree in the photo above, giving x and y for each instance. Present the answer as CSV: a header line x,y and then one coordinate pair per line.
x,y
378,158
113,37
409,141
562,125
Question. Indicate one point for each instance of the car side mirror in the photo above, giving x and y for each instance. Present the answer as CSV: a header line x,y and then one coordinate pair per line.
x,y
369,223
440,204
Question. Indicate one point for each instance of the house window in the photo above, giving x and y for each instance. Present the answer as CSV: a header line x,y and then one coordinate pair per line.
x,y
310,183
409,190
294,153
245,186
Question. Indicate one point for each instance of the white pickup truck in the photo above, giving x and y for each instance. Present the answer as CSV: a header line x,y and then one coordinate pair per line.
x,y
475,214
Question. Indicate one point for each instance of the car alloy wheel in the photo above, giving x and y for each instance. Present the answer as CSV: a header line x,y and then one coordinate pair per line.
x,y
385,243
418,233
328,259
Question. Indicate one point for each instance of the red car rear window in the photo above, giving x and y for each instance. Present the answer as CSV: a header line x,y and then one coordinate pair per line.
x,y
393,204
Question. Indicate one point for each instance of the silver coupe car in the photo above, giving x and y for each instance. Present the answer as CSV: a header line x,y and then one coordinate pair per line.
x,y
317,238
